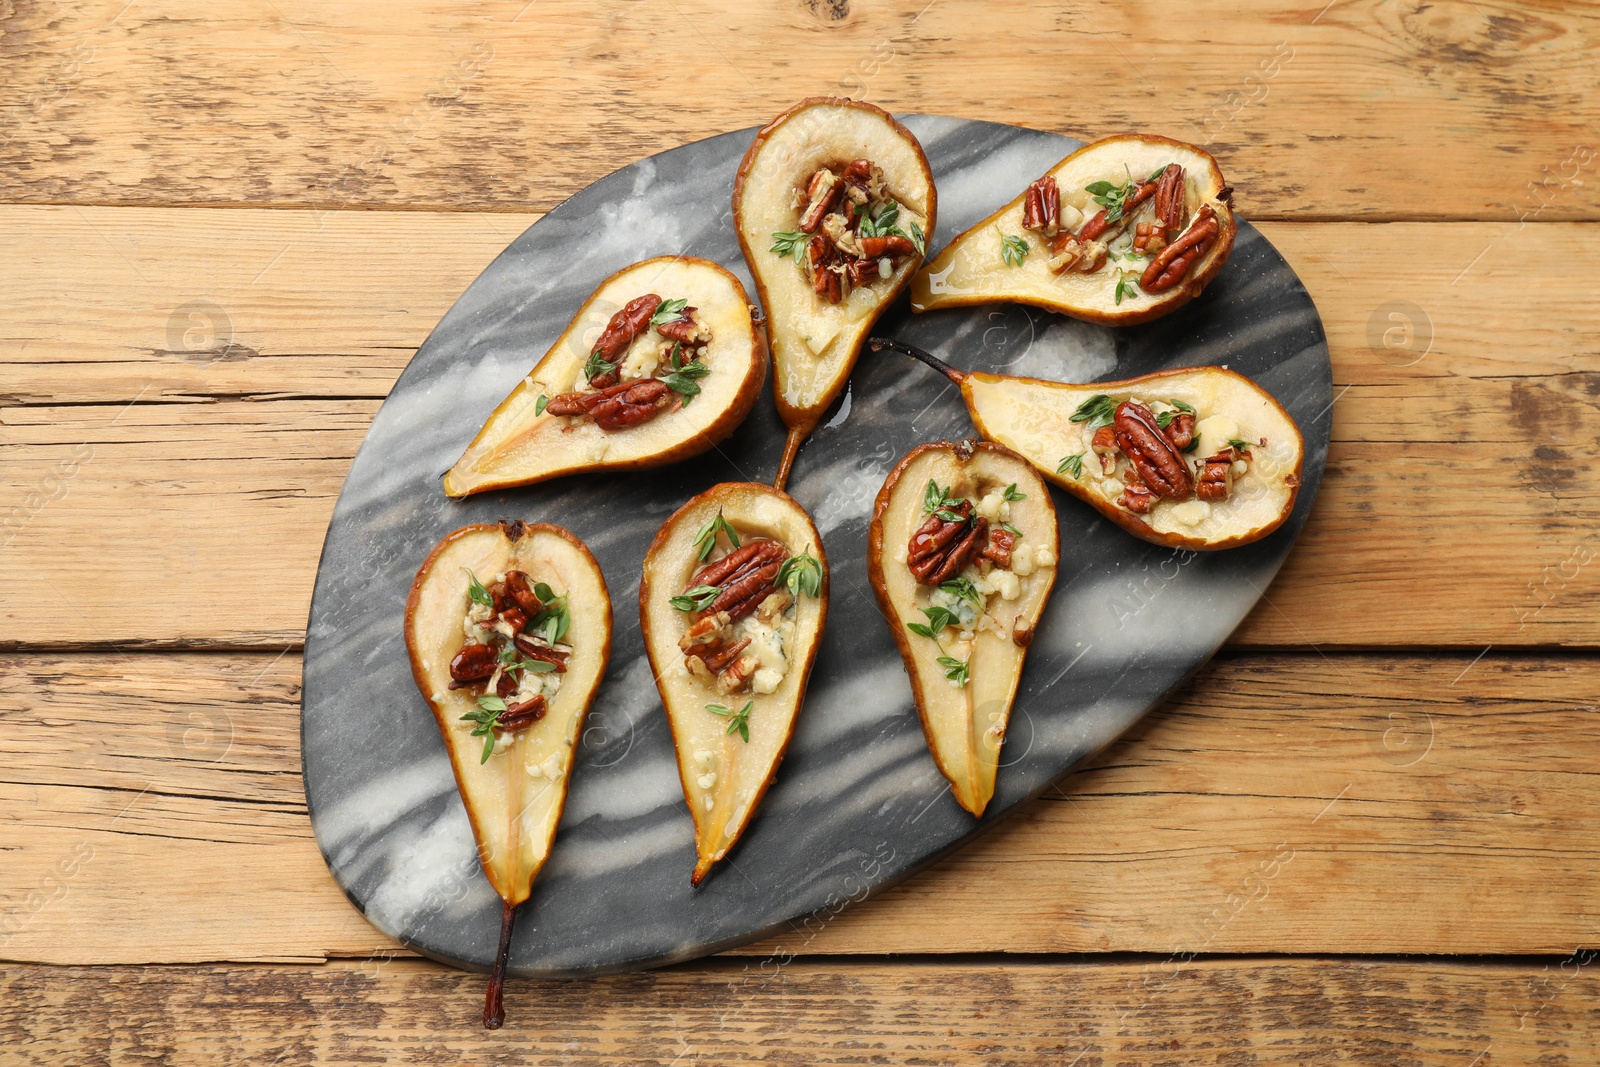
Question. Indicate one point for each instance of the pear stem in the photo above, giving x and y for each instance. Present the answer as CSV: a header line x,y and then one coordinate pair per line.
x,y
881,344
791,448
494,1012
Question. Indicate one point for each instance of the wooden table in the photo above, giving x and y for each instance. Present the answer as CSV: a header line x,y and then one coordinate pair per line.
x,y
1367,832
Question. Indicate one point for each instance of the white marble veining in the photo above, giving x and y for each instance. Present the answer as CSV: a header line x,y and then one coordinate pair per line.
x,y
858,792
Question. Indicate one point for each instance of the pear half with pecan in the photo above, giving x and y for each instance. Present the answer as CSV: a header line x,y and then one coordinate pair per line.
x,y
962,555
1197,458
508,628
1122,231
732,602
833,205
660,364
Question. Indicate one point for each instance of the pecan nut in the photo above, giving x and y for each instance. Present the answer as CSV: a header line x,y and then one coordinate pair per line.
x,y
533,648
941,547
1174,261
625,326
524,714
745,576
821,194
819,260
1213,483
1100,224
1041,207
473,664
520,589
873,247
685,329
1180,431
1136,496
616,407
1170,204
999,547
1160,467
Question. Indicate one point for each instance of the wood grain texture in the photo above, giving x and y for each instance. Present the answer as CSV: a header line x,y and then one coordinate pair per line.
x,y
1481,112
1282,803
196,381
1256,1011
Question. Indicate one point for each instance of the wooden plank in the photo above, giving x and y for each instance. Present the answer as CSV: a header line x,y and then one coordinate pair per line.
x,y
505,106
1316,1011
253,347
1283,803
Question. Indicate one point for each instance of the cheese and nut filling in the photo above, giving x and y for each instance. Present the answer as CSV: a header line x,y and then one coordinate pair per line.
x,y
740,608
514,657
1153,452
970,562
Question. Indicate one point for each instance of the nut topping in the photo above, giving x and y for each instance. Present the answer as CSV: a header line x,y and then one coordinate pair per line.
x,y
820,197
616,407
998,549
942,547
746,575
526,713
1174,261
1170,205
473,664
623,329
1041,207
1160,467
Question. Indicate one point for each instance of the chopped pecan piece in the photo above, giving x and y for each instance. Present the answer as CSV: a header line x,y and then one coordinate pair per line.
x,y
515,618
1104,445
873,247
1180,431
1136,496
1072,254
1161,468
998,549
1021,632
686,329
824,279
1041,207
616,407
836,228
520,589
736,678
505,685
535,648
474,663
1215,476
861,271
524,714
719,661
941,547
1149,237
821,195
706,634
1174,261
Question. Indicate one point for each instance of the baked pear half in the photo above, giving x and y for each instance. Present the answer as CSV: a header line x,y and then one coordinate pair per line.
x,y
509,631
962,555
833,204
1122,231
1198,458
732,602
660,364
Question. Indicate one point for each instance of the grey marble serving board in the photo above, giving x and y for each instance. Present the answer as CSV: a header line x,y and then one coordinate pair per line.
x,y
858,804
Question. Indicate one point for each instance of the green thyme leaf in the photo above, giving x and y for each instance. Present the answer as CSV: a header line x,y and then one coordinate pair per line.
x,y
683,380
695,599
1012,494
487,716
511,661
938,619
1097,411
553,622
706,539
801,574
1243,446
476,591
738,721
595,367
1181,406
1164,418
937,501
540,404
918,239
790,243
954,669
1074,464
1013,250
1010,529
963,589
1127,285
669,311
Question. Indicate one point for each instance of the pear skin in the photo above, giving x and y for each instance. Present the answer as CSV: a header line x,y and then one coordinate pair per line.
x,y
515,793
1034,417
724,773
815,343
521,443
972,269
965,713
